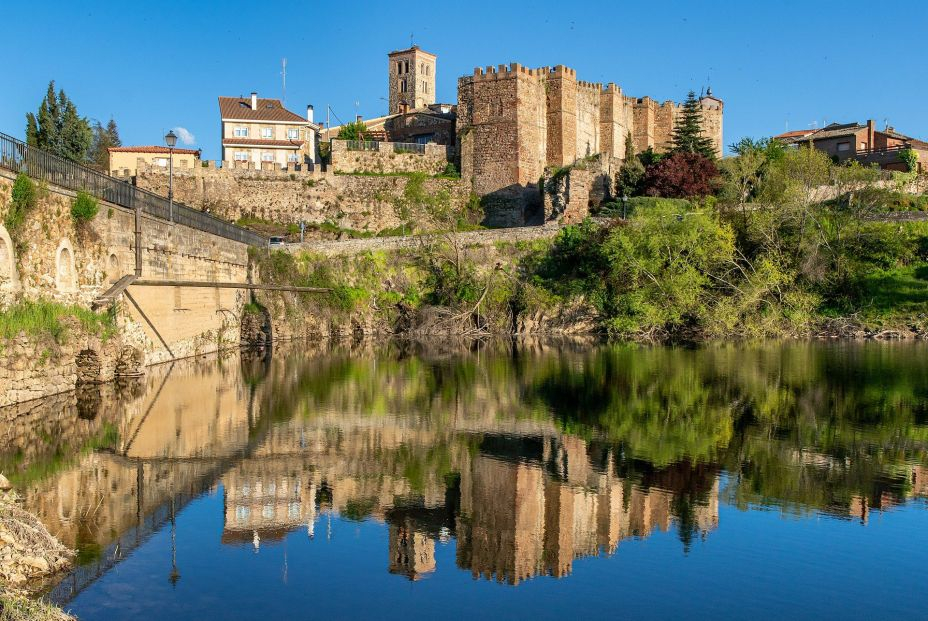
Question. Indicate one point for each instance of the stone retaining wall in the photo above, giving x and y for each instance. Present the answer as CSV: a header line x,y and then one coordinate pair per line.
x,y
390,157
58,260
475,238
359,202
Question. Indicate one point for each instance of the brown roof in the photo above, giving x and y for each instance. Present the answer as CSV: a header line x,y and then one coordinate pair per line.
x,y
257,142
798,133
239,108
152,149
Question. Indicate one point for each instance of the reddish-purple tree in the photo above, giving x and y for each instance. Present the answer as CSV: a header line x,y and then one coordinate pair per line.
x,y
681,175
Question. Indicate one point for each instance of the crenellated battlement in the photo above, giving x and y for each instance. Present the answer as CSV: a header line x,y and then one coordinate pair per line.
x,y
502,72
546,116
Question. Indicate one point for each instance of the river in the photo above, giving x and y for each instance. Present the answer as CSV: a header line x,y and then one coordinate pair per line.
x,y
530,480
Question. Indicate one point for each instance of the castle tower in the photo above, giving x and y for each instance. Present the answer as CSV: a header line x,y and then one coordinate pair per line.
x,y
412,79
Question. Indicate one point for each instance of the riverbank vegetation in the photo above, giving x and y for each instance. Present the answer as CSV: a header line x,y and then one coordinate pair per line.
x,y
789,243
45,317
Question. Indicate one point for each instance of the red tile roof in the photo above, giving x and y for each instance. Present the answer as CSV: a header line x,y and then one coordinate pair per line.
x,y
152,149
257,142
239,109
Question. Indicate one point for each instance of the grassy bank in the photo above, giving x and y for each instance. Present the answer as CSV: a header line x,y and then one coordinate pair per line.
x,y
44,317
18,607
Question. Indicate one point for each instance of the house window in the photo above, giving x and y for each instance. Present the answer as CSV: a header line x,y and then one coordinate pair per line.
x,y
161,161
267,157
293,134
267,132
844,146
405,66
402,86
241,132
293,157
241,156
425,138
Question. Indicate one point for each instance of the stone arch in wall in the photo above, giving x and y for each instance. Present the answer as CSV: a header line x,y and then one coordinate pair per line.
x,y
9,278
113,271
65,271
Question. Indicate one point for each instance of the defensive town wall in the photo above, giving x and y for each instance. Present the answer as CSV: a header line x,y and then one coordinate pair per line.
x,y
364,202
513,122
57,260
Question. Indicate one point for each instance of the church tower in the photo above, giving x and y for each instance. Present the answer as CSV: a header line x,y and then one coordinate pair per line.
x,y
412,79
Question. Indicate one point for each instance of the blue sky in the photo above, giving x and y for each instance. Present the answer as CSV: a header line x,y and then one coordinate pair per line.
x,y
157,65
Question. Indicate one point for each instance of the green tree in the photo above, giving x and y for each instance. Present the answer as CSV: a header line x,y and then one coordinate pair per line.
x,y
687,132
910,157
352,131
631,174
58,128
104,137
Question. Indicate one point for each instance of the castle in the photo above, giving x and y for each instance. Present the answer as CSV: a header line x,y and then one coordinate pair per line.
x,y
513,122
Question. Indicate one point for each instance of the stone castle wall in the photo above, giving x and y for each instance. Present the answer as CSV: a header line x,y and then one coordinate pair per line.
x,y
360,202
390,157
514,121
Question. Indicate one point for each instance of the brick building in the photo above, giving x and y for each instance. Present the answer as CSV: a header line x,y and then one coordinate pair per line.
x,y
513,122
861,142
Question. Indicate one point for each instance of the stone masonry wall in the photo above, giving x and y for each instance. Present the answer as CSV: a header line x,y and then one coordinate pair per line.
x,y
71,264
390,157
558,120
360,202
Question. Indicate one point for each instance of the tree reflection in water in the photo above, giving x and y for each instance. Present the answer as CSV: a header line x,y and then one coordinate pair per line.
x,y
528,455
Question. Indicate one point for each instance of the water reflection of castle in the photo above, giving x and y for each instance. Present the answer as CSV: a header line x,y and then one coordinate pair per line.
x,y
520,507
521,497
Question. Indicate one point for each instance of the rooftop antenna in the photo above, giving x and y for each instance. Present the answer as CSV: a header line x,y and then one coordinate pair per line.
x,y
283,72
410,39
885,123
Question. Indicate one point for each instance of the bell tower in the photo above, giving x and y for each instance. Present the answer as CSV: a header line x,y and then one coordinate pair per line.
x,y
412,79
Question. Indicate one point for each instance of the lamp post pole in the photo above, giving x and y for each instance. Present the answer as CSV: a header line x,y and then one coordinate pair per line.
x,y
171,140
624,206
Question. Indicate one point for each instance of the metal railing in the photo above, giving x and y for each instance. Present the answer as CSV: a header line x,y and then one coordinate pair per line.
x,y
408,147
19,157
394,147
363,145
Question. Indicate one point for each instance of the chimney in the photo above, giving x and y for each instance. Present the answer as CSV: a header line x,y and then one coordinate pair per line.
x,y
254,100
357,118
870,130
309,113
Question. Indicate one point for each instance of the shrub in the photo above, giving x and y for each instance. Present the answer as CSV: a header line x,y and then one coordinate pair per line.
x,y
681,175
84,208
23,200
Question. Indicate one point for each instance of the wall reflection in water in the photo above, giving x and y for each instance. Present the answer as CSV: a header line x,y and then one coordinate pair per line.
x,y
528,456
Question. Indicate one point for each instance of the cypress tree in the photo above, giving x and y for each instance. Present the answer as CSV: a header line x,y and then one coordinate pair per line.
x,y
103,139
58,128
687,131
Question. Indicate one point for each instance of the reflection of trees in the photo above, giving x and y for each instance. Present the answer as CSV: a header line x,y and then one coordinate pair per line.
x,y
799,425
817,425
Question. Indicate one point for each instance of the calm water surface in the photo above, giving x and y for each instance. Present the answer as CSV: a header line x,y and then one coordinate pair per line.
x,y
549,480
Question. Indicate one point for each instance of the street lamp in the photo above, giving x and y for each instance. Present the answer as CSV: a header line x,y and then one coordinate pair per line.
x,y
624,206
170,139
